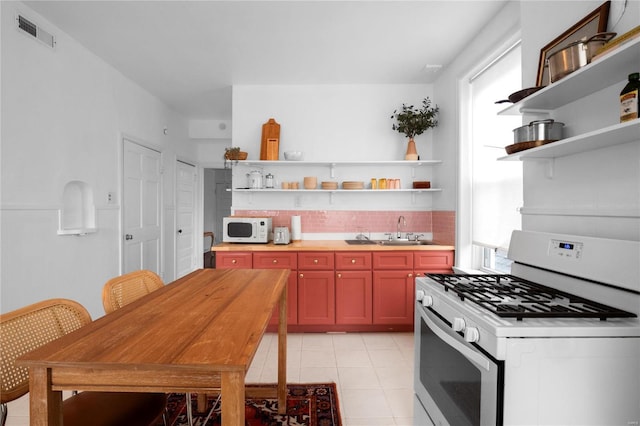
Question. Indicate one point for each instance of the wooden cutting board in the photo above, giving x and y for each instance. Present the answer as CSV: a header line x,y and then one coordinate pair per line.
x,y
270,145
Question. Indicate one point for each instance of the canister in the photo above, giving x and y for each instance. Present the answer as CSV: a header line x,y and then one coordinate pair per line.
x,y
268,181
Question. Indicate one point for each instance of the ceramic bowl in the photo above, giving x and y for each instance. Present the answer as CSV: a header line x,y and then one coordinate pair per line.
x,y
293,155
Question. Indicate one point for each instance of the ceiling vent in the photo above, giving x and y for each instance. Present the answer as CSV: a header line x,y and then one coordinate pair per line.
x,y
35,31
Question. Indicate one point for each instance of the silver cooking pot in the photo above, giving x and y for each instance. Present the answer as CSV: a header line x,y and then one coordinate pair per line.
x,y
539,130
576,55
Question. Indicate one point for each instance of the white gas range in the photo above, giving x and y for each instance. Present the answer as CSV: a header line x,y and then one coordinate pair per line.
x,y
556,342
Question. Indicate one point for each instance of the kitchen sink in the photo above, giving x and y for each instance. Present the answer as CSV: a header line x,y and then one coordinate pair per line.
x,y
361,242
403,243
388,242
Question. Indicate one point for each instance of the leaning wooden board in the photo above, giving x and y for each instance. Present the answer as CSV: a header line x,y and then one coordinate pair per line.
x,y
270,145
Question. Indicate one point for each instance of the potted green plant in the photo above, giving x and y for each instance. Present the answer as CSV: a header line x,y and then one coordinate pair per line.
x,y
412,121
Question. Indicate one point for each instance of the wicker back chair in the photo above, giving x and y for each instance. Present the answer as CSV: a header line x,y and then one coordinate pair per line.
x,y
30,327
122,290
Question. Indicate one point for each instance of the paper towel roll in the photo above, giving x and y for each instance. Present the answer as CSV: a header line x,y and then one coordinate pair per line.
x,y
296,228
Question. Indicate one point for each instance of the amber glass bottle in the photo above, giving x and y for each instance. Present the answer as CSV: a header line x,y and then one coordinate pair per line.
x,y
629,98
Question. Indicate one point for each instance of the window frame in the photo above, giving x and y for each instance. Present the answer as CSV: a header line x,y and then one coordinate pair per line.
x,y
470,256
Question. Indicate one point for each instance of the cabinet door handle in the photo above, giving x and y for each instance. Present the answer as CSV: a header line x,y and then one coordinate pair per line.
x,y
339,275
315,261
409,275
234,261
301,275
275,261
353,261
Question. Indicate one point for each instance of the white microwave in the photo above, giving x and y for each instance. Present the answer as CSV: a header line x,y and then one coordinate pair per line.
x,y
257,230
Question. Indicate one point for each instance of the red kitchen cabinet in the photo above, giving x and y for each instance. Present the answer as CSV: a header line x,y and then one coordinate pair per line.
x,y
393,288
433,261
393,297
354,297
234,260
282,260
316,288
316,298
354,288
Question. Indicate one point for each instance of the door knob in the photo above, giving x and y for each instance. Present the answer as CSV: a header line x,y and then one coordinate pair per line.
x,y
128,237
179,231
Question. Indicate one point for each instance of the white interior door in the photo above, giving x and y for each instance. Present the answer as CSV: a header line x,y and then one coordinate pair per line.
x,y
185,218
141,208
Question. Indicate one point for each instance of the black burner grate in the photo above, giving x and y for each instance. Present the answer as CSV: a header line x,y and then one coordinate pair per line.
x,y
513,297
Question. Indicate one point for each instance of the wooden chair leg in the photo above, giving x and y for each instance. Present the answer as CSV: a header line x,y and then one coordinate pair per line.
x,y
202,402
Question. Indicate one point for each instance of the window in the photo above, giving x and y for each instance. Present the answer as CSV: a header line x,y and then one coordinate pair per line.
x,y
490,190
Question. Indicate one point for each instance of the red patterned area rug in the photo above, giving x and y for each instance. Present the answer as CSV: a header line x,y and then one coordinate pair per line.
x,y
307,405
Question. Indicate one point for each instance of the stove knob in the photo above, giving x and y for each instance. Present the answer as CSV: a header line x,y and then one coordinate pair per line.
x,y
471,335
458,324
427,301
419,295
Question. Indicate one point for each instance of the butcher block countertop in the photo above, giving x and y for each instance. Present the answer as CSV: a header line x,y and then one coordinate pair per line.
x,y
325,245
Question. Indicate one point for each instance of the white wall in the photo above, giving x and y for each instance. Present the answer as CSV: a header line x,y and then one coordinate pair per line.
x,y
328,122
64,113
331,123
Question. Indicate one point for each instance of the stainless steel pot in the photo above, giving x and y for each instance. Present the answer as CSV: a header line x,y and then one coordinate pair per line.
x,y
539,130
576,55
521,134
546,130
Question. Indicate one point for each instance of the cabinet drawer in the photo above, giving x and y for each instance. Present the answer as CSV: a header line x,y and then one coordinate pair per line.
x,y
272,260
425,261
315,260
393,260
352,260
234,260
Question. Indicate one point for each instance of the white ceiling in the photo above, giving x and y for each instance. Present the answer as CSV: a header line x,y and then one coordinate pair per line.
x,y
190,53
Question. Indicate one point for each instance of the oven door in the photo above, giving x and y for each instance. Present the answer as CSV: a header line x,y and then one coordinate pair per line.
x,y
455,381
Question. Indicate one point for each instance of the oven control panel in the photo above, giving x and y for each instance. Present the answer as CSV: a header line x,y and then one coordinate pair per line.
x,y
579,256
566,249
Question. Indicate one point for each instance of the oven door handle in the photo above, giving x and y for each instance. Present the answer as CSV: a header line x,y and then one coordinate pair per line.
x,y
467,352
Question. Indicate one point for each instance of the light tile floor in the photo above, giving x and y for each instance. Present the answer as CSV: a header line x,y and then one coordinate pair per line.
x,y
373,373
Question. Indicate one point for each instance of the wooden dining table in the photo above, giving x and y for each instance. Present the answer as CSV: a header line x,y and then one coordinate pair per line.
x,y
197,334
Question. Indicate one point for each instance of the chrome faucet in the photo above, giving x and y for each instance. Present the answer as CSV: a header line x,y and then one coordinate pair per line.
x,y
404,223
